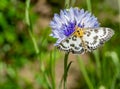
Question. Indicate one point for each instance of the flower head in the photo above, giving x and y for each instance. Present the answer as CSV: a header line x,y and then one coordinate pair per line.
x,y
63,24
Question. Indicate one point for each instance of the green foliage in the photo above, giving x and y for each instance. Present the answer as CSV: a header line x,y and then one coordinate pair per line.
x,y
17,49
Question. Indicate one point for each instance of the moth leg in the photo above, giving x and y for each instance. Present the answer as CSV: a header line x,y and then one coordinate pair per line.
x,y
84,45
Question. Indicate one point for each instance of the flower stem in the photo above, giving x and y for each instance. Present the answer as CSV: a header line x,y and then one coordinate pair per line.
x,y
34,42
89,5
65,69
52,68
29,25
36,48
84,72
67,4
119,10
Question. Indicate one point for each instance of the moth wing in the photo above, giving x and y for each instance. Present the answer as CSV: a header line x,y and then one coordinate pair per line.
x,y
72,44
95,37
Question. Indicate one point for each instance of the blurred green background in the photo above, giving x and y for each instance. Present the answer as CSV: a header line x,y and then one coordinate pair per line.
x,y
21,69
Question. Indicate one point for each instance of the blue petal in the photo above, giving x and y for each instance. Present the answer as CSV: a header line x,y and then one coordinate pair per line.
x,y
63,25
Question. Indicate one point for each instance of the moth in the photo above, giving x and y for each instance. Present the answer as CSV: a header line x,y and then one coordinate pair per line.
x,y
86,39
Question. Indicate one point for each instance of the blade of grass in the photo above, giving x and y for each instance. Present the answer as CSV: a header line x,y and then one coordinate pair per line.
x,y
89,5
52,69
68,67
119,11
32,37
98,64
29,25
84,72
116,62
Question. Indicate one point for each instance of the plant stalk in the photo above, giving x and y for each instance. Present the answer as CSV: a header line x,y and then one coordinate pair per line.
x,y
65,69
30,28
89,5
84,72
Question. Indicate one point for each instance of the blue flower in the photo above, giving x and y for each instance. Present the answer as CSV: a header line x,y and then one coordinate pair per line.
x,y
63,24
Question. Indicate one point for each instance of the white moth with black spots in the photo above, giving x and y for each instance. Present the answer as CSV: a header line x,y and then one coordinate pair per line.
x,y
86,39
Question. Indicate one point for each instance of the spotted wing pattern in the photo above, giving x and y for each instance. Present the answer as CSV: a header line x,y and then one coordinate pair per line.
x,y
72,44
95,37
86,39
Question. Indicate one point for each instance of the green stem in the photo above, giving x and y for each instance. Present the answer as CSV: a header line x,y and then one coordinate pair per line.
x,y
65,69
115,59
67,4
89,5
72,3
84,72
27,18
98,64
119,10
29,25
34,42
52,69
38,54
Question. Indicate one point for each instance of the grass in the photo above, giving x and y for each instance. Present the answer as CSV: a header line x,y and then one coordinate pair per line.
x,y
21,47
